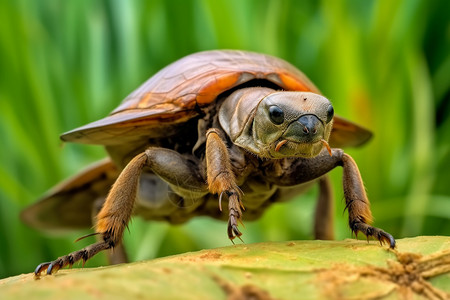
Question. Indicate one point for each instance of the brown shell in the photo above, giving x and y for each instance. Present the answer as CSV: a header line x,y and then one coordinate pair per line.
x,y
173,94
176,94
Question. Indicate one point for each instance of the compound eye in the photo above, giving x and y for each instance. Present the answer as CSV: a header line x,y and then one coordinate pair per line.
x,y
276,115
330,113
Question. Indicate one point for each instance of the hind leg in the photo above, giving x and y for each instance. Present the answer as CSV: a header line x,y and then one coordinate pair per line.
x,y
324,216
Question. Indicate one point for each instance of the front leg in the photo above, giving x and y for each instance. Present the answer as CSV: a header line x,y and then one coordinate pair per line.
x,y
221,180
358,204
111,220
118,254
116,212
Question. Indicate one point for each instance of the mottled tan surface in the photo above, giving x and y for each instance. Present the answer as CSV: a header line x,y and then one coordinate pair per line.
x,y
177,92
350,269
183,89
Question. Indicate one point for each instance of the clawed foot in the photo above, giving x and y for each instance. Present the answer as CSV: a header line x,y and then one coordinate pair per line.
x,y
70,259
376,233
235,208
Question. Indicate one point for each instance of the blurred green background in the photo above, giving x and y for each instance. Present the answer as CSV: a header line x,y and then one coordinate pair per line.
x,y
384,64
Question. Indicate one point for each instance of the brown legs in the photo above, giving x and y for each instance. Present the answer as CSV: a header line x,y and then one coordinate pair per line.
x,y
116,255
118,207
324,216
358,205
187,176
221,180
70,259
111,220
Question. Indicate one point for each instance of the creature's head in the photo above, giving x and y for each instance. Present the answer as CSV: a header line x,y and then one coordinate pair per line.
x,y
283,124
293,124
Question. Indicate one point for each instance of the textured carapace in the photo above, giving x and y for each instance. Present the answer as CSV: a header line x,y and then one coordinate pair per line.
x,y
185,88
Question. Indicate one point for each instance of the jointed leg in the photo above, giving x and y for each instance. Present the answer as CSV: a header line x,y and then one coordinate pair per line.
x,y
118,207
221,180
118,254
305,170
358,205
324,217
111,220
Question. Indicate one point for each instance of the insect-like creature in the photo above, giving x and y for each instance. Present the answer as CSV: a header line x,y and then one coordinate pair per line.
x,y
211,134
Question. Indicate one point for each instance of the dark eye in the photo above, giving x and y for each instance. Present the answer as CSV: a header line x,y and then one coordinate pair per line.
x,y
276,114
330,113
